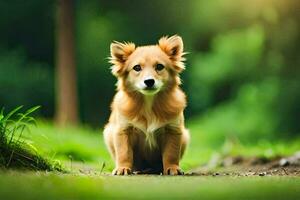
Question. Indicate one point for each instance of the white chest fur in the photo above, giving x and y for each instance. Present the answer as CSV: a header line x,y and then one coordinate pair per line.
x,y
151,125
150,129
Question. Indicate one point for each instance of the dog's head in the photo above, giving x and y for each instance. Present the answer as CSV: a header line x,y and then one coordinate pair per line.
x,y
148,69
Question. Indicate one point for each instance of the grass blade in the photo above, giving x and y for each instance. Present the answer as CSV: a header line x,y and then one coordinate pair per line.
x,y
11,113
31,110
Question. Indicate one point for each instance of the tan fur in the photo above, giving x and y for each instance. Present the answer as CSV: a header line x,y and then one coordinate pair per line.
x,y
147,131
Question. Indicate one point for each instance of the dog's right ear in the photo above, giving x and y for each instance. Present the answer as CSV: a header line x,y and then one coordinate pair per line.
x,y
119,54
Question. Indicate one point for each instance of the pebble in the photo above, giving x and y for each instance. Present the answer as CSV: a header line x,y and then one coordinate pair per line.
x,y
262,174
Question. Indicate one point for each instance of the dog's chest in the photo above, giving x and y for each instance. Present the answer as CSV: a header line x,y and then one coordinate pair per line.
x,y
149,124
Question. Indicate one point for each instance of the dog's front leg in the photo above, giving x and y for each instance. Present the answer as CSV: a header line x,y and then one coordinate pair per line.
x,y
124,154
171,149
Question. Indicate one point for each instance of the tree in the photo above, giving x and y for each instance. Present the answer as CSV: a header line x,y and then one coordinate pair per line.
x,y
66,81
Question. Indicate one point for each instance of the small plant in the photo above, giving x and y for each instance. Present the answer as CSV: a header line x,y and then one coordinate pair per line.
x,y
14,152
15,123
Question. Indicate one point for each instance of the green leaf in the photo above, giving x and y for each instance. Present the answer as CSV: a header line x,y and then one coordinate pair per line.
x,y
11,113
1,114
31,110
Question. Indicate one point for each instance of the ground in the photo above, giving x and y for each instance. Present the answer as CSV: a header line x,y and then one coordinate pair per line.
x,y
37,185
213,171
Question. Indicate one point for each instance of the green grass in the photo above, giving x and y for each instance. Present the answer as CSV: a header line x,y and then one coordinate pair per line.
x,y
16,152
85,145
204,144
70,144
14,185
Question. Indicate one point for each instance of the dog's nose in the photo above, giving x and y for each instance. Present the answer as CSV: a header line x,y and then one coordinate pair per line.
x,y
149,82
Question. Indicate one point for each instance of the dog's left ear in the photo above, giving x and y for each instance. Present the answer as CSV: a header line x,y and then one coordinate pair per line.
x,y
173,47
119,54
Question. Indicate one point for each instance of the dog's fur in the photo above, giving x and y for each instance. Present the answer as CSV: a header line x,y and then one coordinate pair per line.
x,y
146,131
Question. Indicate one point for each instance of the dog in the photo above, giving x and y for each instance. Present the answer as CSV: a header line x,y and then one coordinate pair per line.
x,y
146,132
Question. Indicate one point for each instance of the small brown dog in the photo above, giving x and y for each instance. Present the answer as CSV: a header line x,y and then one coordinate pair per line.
x,y
146,131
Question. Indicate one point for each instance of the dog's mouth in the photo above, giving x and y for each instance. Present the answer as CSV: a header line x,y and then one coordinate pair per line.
x,y
149,90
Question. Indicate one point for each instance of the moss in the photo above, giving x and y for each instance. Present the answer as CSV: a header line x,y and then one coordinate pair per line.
x,y
14,153
18,157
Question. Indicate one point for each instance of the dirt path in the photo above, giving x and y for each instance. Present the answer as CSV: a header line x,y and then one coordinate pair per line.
x,y
229,166
239,166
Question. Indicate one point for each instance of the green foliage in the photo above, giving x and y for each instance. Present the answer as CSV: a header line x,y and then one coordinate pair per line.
x,y
10,127
234,59
249,117
24,82
234,55
70,144
14,152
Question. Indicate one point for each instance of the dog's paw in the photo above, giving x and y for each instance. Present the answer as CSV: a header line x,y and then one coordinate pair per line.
x,y
122,171
173,171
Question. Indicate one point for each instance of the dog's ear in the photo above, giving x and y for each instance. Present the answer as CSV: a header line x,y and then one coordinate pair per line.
x,y
119,54
173,47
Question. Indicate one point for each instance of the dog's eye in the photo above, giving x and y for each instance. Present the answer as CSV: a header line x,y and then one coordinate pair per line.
x,y
159,67
137,68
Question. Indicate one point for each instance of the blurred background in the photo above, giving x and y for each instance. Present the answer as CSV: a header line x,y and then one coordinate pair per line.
x,y
242,74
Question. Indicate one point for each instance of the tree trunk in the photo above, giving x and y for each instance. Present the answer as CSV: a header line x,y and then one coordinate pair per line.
x,y
66,81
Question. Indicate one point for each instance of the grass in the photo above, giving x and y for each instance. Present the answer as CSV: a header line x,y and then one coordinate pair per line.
x,y
205,144
14,185
85,147
69,145
14,151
